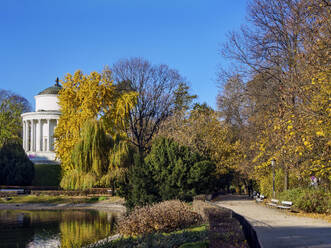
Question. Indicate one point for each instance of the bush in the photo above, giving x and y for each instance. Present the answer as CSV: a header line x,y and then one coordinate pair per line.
x,y
15,167
161,217
169,171
309,200
47,175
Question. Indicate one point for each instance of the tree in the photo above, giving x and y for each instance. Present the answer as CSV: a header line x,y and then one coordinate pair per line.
x,y
86,97
15,167
232,102
202,131
161,91
98,159
11,108
283,56
169,171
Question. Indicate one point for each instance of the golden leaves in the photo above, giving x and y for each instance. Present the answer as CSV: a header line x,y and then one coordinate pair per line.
x,y
85,97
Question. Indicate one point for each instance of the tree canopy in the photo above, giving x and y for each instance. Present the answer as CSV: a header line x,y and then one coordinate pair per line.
x,y
161,91
11,108
282,79
86,97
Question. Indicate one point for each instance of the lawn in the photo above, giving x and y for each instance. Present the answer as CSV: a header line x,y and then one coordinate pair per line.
x,y
60,199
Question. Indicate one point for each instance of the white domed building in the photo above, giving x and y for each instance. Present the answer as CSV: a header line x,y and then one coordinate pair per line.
x,y
38,126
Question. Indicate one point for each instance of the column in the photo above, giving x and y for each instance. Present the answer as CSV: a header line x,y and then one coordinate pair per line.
x,y
38,135
23,141
30,136
48,135
33,131
27,135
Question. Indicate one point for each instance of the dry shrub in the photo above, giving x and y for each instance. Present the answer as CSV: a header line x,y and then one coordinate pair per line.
x,y
161,217
201,197
203,208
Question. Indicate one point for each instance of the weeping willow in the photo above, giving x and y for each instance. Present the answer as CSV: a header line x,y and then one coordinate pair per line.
x,y
90,154
98,159
120,158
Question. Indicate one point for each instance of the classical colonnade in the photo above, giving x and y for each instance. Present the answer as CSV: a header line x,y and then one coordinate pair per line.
x,y
38,135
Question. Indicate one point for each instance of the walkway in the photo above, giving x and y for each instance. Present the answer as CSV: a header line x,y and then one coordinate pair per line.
x,y
275,228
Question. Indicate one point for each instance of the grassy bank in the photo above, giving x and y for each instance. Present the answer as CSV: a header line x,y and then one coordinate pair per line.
x,y
60,199
194,237
169,224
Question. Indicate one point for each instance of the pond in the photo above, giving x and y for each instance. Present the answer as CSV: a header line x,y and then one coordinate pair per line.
x,y
54,228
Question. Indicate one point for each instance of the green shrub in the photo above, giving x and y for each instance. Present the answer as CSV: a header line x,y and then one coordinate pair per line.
x,y
15,167
309,200
265,183
170,171
47,175
161,217
138,187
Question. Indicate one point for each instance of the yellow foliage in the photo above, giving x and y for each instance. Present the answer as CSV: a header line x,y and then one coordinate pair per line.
x,y
86,97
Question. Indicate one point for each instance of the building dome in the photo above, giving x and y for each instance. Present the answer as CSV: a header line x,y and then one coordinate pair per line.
x,y
53,90
38,126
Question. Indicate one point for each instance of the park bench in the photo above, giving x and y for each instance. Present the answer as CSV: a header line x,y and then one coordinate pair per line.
x,y
273,203
259,198
283,205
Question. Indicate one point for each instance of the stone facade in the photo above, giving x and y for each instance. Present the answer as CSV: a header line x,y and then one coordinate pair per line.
x,y
38,126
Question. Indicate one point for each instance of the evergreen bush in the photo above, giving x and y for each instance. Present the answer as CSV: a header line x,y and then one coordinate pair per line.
x,y
169,171
15,167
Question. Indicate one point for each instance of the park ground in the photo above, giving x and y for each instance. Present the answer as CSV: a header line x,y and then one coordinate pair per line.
x,y
276,228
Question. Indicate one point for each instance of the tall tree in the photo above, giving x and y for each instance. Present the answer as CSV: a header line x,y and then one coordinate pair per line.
x,y
86,97
202,131
160,92
283,55
11,108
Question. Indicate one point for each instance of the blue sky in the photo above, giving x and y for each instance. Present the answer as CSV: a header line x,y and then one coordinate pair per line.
x,y
43,39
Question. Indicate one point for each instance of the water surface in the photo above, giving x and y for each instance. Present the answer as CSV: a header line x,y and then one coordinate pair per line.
x,y
54,228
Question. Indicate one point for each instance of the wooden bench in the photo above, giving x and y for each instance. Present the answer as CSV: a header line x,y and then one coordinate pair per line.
x,y
259,198
273,203
284,204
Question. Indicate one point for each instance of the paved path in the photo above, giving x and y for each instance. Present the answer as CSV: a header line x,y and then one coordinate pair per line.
x,y
275,228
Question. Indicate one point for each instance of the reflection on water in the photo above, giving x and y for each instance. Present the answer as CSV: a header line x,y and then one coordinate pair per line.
x,y
56,228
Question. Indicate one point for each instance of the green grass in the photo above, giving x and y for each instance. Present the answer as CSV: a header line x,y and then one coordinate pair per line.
x,y
59,199
199,244
47,175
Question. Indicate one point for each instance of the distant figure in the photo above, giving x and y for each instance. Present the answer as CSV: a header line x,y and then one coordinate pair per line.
x,y
313,181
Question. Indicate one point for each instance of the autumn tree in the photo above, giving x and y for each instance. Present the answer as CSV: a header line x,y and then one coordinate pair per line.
x,y
283,56
202,131
11,108
161,90
86,97
98,159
